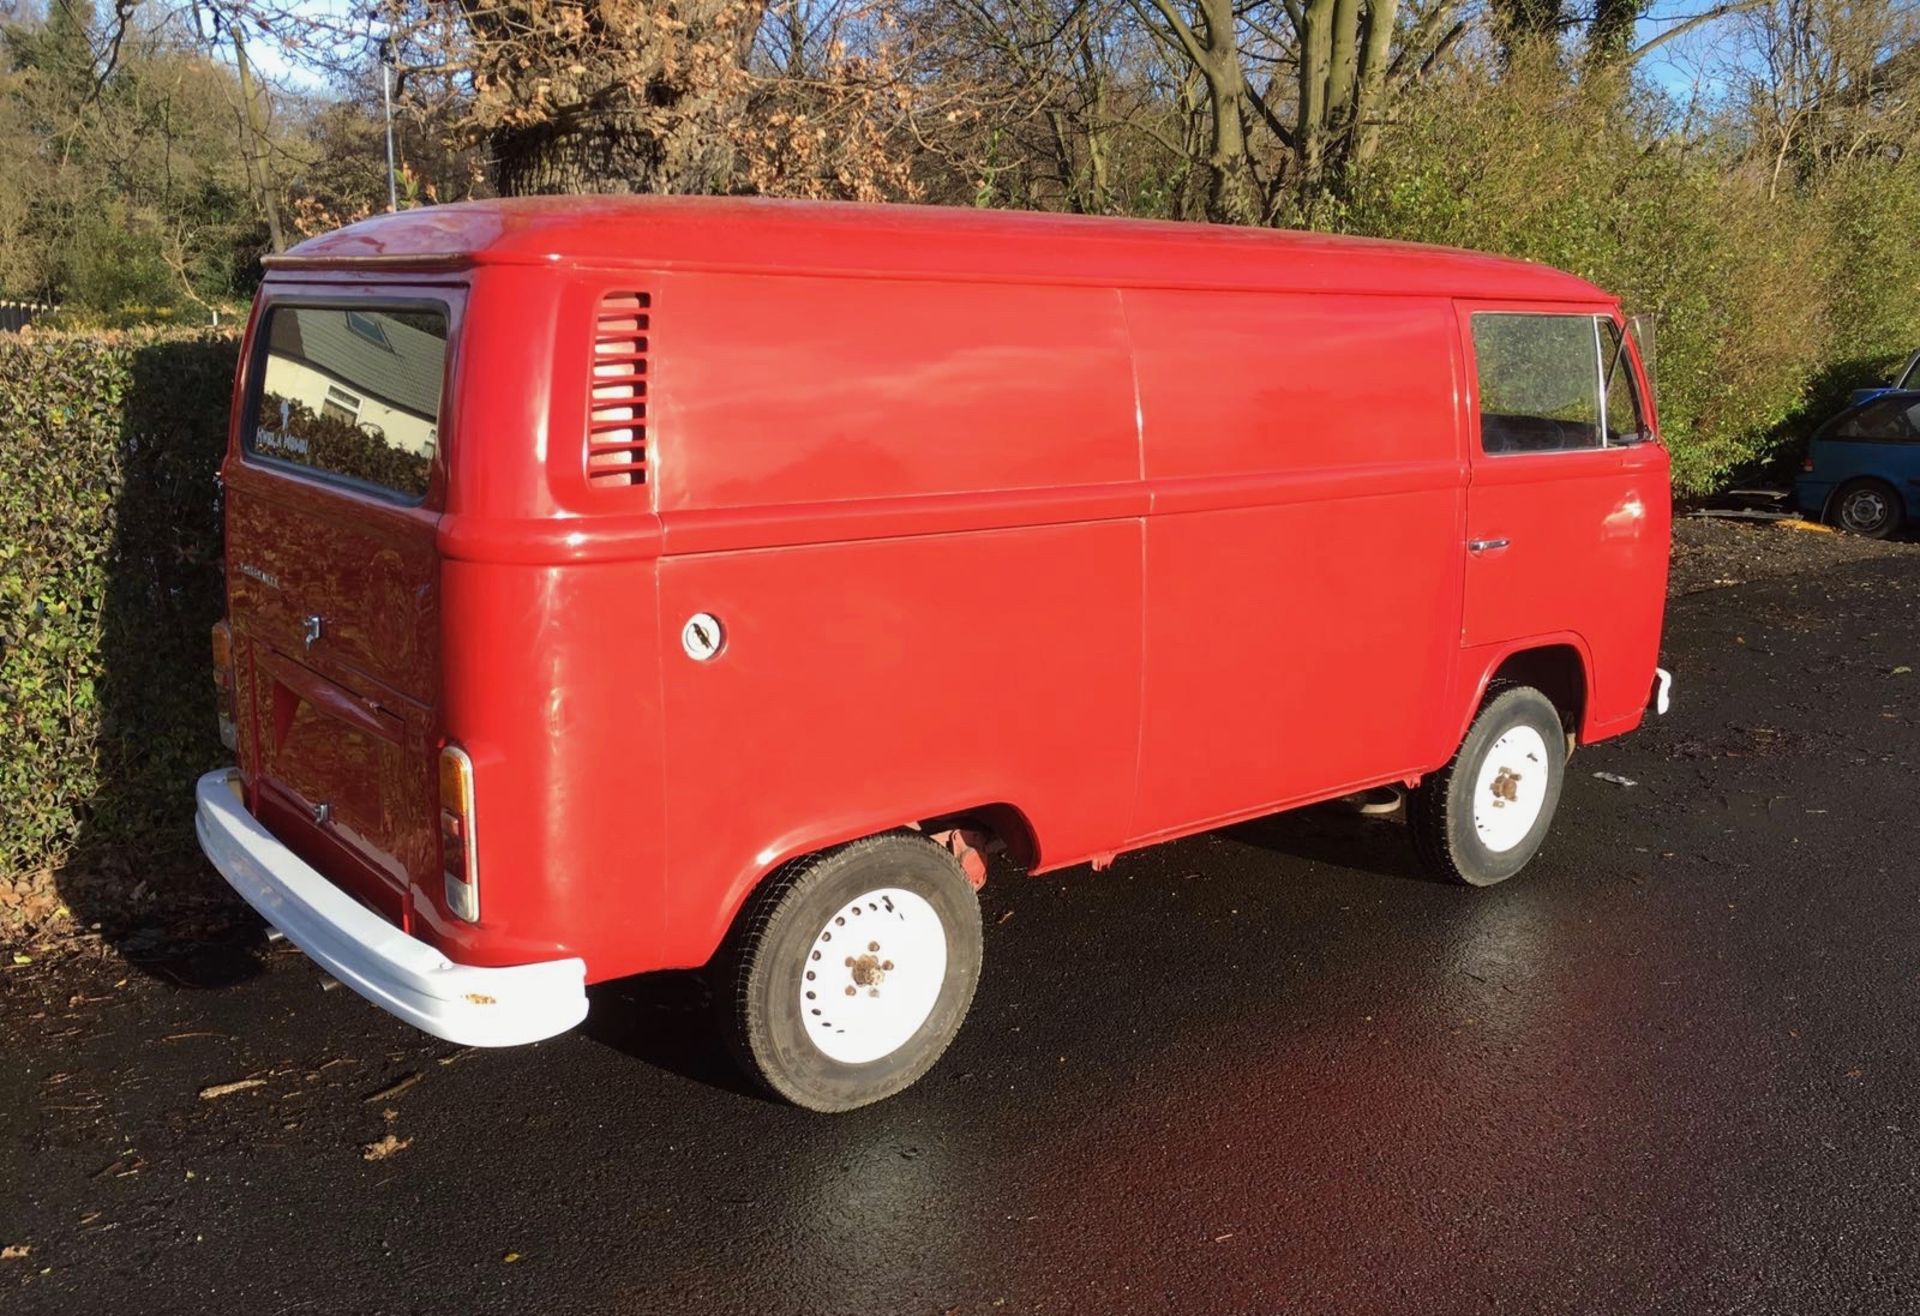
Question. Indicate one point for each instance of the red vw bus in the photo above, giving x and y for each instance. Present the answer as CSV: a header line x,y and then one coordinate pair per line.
x,y
649,583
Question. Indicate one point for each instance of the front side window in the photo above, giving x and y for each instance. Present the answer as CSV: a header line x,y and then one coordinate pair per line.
x,y
353,394
1539,382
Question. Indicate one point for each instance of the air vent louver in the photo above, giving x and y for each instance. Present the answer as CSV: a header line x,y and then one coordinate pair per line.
x,y
617,408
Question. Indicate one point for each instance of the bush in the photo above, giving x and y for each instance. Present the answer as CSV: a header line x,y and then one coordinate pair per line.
x,y
1770,299
110,578
113,263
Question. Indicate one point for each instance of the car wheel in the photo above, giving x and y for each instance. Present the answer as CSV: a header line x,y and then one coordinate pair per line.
x,y
1483,816
851,971
1868,507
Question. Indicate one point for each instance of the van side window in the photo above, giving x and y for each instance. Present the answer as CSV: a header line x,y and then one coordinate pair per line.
x,y
353,394
1626,422
1539,382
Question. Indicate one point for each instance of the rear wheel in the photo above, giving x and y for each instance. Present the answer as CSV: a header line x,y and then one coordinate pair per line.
x,y
1868,507
1483,816
852,970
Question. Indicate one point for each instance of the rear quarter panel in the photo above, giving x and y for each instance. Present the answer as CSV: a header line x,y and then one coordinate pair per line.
x,y
1836,461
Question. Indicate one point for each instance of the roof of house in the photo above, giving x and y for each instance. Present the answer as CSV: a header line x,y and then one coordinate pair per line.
x,y
661,232
371,353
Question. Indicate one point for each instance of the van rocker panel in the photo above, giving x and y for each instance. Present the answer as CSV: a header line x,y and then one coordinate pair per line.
x,y
401,974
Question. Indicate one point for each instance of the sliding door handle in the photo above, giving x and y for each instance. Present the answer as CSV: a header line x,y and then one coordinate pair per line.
x,y
1485,545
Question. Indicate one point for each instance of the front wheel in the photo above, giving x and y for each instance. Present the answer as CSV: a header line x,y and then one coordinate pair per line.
x,y
852,970
1483,816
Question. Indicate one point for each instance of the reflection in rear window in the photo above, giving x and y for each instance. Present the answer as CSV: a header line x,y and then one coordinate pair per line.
x,y
354,393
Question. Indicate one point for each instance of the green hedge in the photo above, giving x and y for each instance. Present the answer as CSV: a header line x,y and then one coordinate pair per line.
x,y
109,582
1773,297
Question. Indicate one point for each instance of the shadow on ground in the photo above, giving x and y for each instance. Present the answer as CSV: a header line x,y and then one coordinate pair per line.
x,y
1339,835
669,1021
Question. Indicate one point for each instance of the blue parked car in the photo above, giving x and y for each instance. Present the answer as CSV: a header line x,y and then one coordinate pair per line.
x,y
1862,470
1908,378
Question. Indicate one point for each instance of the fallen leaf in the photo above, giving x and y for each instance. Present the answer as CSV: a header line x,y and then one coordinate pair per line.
x,y
511,1257
14,1251
224,1089
1900,671
18,958
385,1147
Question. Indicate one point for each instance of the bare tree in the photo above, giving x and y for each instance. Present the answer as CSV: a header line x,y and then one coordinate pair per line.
x,y
1274,140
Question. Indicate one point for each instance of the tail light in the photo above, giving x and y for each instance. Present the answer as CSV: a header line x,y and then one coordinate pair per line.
x,y
1806,463
460,868
223,683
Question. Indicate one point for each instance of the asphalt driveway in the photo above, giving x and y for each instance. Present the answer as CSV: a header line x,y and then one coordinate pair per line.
x,y
1672,1068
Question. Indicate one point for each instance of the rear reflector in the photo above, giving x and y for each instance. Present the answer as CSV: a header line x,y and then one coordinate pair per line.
x,y
460,868
223,683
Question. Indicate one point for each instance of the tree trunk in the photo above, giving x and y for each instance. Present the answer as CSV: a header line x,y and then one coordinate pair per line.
x,y
613,153
258,156
1233,194
1316,66
640,96
1369,96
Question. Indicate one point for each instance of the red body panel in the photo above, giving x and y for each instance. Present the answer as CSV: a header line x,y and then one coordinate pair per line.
x,y
1304,545
1114,531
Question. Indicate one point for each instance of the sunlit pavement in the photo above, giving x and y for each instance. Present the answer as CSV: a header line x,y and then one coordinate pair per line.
x,y
1671,1068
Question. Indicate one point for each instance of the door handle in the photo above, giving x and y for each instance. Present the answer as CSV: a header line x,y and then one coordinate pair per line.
x,y
1486,545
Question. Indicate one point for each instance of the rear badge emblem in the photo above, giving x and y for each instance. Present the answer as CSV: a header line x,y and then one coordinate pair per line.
x,y
702,637
314,626
322,814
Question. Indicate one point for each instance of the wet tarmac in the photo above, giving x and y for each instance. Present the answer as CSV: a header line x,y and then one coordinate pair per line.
x,y
1672,1068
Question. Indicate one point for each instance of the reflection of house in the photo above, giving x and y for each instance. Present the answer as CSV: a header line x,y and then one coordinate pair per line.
x,y
369,370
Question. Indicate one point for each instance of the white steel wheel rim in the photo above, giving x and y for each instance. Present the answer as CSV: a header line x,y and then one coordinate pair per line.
x,y
872,975
1510,789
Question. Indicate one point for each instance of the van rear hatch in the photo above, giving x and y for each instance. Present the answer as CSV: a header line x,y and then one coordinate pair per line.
x,y
333,584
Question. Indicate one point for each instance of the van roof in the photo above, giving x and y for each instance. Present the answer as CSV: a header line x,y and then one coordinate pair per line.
x,y
665,232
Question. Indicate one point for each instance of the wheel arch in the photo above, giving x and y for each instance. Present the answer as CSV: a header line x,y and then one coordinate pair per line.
x,y
1905,501
1003,822
1559,666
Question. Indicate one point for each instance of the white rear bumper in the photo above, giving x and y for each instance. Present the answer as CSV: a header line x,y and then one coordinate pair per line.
x,y
403,975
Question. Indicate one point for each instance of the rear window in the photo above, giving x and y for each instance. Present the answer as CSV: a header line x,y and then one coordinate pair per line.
x,y
352,393
1884,420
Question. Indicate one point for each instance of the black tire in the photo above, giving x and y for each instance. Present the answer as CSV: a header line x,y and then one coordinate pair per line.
x,y
1440,810
774,947
1872,508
